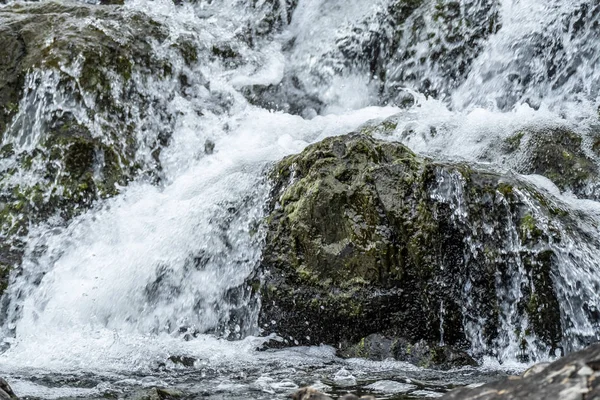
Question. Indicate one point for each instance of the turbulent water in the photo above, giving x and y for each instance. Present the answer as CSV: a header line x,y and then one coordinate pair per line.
x,y
101,303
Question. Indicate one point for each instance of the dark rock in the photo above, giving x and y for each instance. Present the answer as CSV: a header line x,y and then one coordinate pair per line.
x,y
288,96
276,14
378,347
159,394
6,392
373,347
559,154
576,376
209,147
364,237
309,393
183,360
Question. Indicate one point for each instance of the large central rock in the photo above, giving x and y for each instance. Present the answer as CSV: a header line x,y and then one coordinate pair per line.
x,y
365,237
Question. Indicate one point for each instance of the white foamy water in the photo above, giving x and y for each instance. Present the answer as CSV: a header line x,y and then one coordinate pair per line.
x,y
161,269
128,266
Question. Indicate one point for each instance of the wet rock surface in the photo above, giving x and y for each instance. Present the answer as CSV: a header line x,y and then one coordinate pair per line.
x,y
6,392
67,84
379,348
576,376
427,46
559,154
367,238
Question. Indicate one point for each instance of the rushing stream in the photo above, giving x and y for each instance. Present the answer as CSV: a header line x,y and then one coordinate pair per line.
x,y
113,302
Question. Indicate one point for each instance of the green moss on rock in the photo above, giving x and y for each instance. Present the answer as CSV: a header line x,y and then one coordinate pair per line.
x,y
557,153
102,71
364,237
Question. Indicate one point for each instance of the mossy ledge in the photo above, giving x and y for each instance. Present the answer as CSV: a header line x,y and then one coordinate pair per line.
x,y
84,145
365,237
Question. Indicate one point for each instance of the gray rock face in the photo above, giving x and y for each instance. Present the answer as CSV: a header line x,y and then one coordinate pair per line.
x,y
574,377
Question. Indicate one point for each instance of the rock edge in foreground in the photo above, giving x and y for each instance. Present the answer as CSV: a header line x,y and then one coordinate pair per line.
x,y
574,377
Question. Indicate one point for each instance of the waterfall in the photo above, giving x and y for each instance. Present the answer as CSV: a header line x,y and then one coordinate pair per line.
x,y
163,261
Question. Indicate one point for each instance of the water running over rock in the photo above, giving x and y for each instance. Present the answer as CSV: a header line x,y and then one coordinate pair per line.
x,y
137,142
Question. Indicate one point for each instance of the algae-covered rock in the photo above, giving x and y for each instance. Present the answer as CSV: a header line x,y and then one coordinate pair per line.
x,y
378,348
82,109
559,154
366,237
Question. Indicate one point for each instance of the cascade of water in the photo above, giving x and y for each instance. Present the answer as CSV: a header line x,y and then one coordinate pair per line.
x,y
170,257
544,54
170,260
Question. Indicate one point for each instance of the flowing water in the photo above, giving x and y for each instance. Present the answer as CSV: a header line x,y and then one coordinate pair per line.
x,y
121,297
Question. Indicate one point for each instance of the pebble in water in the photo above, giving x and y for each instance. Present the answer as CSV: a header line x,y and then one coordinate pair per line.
x,y
351,396
309,393
344,378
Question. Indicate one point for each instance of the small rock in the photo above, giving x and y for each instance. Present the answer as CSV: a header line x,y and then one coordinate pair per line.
x,y
585,371
308,393
426,393
344,378
390,387
209,147
351,396
183,360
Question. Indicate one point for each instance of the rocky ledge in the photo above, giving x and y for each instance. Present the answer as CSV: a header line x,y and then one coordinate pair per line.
x,y
574,377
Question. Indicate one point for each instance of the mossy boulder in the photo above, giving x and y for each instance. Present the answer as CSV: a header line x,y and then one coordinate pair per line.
x,y
365,237
558,153
81,113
